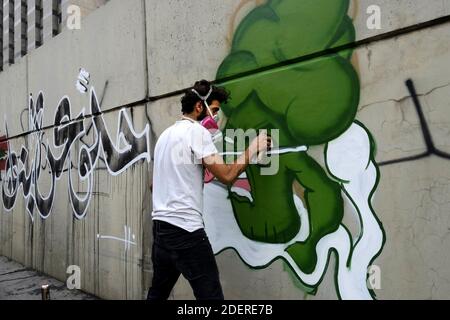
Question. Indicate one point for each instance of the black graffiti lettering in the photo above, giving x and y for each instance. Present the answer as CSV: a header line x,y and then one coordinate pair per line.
x,y
43,203
38,158
117,160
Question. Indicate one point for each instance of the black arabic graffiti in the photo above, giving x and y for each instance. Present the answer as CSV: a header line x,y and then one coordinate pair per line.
x,y
431,148
26,169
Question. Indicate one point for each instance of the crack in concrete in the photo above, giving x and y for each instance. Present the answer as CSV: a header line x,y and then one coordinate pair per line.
x,y
403,98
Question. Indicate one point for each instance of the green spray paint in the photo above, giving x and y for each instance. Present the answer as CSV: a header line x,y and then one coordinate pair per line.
x,y
311,103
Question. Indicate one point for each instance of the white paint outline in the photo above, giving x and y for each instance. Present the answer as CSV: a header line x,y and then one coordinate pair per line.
x,y
224,232
127,240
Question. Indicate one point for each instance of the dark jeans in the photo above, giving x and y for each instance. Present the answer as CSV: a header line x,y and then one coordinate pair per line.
x,y
176,251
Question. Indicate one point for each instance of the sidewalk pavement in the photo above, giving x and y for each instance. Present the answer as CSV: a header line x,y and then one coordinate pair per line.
x,y
20,283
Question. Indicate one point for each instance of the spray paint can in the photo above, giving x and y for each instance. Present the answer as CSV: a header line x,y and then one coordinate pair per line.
x,y
45,292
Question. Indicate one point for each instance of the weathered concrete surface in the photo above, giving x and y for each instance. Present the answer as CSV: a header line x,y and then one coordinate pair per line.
x,y
109,268
195,45
181,44
20,283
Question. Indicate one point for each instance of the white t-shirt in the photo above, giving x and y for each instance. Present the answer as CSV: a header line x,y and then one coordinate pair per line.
x,y
178,174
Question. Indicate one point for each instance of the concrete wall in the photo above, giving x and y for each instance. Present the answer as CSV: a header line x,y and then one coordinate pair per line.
x,y
371,192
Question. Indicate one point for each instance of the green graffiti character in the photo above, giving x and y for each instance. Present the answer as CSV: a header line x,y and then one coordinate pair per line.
x,y
310,102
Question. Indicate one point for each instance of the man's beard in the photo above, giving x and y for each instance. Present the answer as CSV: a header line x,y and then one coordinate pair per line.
x,y
202,115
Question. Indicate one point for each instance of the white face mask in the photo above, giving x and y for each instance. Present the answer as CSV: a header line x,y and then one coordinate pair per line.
x,y
204,98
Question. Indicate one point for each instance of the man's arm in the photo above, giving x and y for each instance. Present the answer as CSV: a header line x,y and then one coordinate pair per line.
x,y
228,173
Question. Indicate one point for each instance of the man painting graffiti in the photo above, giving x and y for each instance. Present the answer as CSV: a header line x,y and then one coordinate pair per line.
x,y
180,244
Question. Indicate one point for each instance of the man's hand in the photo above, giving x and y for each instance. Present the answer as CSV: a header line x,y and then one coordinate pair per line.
x,y
260,144
228,173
